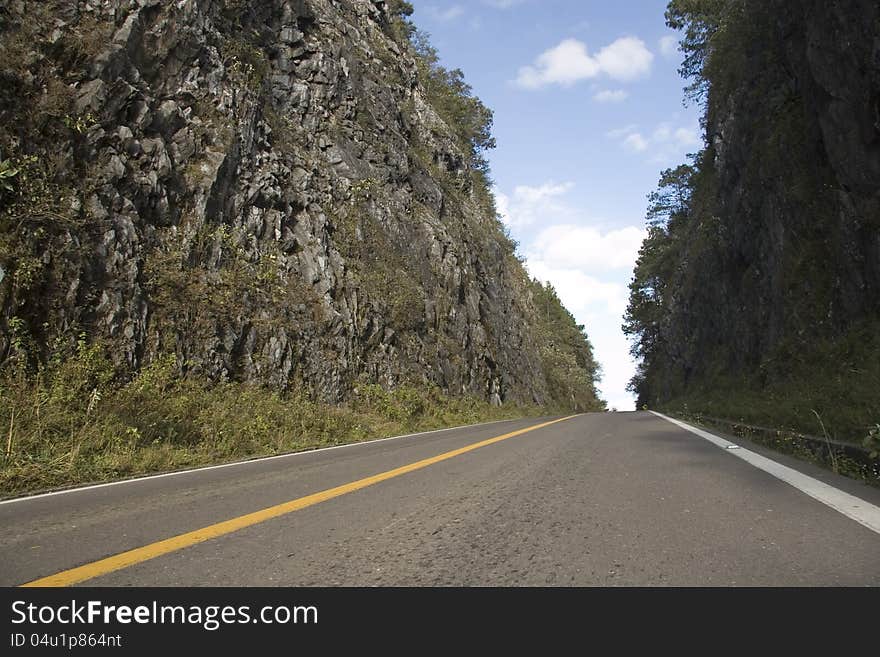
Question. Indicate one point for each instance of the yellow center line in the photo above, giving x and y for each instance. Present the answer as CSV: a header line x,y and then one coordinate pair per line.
x,y
153,550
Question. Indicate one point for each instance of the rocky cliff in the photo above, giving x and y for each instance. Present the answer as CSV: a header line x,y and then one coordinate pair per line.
x,y
763,270
267,190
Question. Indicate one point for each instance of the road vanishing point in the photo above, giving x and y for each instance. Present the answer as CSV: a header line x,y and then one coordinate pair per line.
x,y
605,499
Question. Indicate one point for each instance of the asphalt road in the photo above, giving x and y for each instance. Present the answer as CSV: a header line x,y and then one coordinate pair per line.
x,y
596,500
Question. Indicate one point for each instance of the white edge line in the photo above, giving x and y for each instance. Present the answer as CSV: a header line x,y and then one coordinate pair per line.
x,y
258,459
852,507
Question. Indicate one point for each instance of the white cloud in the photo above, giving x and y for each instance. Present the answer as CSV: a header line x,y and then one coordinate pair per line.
x,y
636,142
668,46
445,15
529,204
569,62
538,194
588,249
589,268
565,64
503,4
662,132
599,305
611,96
665,142
625,59
588,265
580,292
688,137
622,132
612,350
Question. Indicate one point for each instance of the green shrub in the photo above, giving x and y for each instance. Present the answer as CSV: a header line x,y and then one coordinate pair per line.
x,y
75,420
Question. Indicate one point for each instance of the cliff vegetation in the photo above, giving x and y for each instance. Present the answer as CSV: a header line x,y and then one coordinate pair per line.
x,y
756,296
231,227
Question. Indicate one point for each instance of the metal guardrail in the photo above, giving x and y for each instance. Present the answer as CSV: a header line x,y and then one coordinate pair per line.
x,y
847,458
789,432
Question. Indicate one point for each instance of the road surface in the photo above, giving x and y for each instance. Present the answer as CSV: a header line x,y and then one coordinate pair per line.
x,y
594,500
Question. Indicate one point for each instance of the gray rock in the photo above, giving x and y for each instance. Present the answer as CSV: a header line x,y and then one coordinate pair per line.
x,y
289,206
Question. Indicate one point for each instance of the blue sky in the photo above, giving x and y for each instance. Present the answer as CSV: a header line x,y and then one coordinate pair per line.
x,y
588,111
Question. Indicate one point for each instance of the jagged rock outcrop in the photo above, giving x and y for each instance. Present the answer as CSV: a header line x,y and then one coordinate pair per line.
x,y
796,143
765,280
262,188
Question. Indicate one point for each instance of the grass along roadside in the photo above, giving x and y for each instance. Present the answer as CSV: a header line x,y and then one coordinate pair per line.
x,y
816,387
73,423
859,461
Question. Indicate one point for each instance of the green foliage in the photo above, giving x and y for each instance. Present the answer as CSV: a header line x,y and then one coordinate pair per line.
x,y
836,378
700,21
738,244
246,63
284,130
401,29
411,407
81,123
872,441
9,170
76,421
20,340
381,266
78,373
453,99
400,8
191,296
35,221
569,366
29,193
362,190
673,196
656,266
40,220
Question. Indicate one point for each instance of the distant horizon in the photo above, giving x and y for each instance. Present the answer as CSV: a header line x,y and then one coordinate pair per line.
x,y
588,111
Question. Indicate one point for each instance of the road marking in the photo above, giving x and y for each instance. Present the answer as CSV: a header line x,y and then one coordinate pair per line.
x,y
851,506
153,550
259,459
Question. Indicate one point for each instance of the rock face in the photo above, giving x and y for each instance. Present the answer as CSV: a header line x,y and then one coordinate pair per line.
x,y
262,188
782,246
